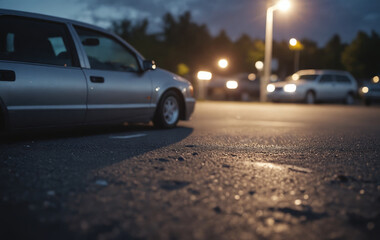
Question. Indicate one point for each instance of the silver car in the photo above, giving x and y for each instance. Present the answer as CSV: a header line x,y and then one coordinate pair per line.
x,y
56,72
311,86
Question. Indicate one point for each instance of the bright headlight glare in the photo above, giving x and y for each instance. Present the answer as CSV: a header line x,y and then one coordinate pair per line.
x,y
231,84
270,88
290,88
365,90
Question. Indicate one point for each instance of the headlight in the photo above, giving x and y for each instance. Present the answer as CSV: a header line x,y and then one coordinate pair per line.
x,y
365,89
231,84
290,88
270,88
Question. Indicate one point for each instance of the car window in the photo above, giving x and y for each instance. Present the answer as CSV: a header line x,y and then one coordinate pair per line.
x,y
326,79
342,79
106,53
308,77
35,41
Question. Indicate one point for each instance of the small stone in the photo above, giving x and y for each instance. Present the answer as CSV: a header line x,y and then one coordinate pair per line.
x,y
297,202
101,182
217,209
342,178
163,160
370,225
190,146
50,193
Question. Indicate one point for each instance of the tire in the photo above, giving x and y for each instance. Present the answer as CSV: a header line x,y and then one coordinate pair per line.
x,y
310,97
168,111
349,99
244,97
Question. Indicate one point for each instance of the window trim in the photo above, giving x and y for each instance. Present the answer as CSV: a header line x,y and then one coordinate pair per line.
x,y
111,36
70,42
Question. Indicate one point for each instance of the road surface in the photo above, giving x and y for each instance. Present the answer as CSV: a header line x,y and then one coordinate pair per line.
x,y
235,171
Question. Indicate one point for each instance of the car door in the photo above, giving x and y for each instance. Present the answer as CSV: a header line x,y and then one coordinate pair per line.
x,y
118,90
325,87
45,85
343,86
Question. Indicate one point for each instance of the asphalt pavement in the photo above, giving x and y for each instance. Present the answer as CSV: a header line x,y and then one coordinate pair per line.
x,y
235,171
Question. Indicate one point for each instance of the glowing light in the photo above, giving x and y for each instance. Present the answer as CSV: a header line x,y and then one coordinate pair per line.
x,y
232,84
259,65
204,75
290,88
270,88
365,89
191,90
251,77
295,77
375,79
223,63
293,42
283,5
297,202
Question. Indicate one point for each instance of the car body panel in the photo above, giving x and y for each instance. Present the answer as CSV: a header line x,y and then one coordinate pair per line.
x,y
63,100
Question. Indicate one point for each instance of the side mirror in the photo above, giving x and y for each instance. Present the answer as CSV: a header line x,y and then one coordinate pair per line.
x,y
91,42
149,65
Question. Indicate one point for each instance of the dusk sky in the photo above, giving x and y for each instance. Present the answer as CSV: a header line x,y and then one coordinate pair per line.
x,y
314,19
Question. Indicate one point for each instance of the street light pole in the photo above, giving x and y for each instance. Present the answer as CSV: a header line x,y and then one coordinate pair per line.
x,y
268,55
282,5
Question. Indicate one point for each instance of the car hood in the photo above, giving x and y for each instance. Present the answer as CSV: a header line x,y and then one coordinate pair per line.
x,y
172,75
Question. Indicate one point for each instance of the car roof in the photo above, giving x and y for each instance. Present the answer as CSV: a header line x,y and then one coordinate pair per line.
x,y
5,12
321,71
47,17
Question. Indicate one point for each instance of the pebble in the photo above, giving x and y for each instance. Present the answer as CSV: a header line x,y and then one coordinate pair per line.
x,y
217,209
101,182
50,193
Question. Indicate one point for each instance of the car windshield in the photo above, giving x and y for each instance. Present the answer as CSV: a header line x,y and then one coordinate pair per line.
x,y
308,77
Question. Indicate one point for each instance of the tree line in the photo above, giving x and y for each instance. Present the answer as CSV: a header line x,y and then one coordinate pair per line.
x,y
185,47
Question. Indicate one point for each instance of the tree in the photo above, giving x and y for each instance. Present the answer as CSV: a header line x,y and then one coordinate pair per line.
x,y
361,57
332,53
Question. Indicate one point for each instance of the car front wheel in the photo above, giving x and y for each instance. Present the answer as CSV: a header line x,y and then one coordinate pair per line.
x,y
349,100
310,98
168,110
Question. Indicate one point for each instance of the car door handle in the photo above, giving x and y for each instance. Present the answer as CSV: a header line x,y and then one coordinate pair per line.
x,y
7,75
95,79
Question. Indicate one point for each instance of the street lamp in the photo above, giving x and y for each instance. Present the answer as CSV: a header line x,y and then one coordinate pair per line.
x,y
295,46
282,5
223,63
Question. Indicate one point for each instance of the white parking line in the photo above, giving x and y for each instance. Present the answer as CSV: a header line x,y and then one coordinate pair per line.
x,y
129,136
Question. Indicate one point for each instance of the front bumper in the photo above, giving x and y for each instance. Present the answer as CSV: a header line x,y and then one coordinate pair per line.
x,y
285,96
190,106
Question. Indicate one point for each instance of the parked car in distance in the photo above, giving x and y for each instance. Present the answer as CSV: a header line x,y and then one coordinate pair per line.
x,y
312,86
56,72
370,91
240,87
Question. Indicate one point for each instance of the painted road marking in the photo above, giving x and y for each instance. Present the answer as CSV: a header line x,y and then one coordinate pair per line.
x,y
129,136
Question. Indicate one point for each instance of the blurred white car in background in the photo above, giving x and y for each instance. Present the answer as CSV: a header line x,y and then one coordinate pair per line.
x,y
312,86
